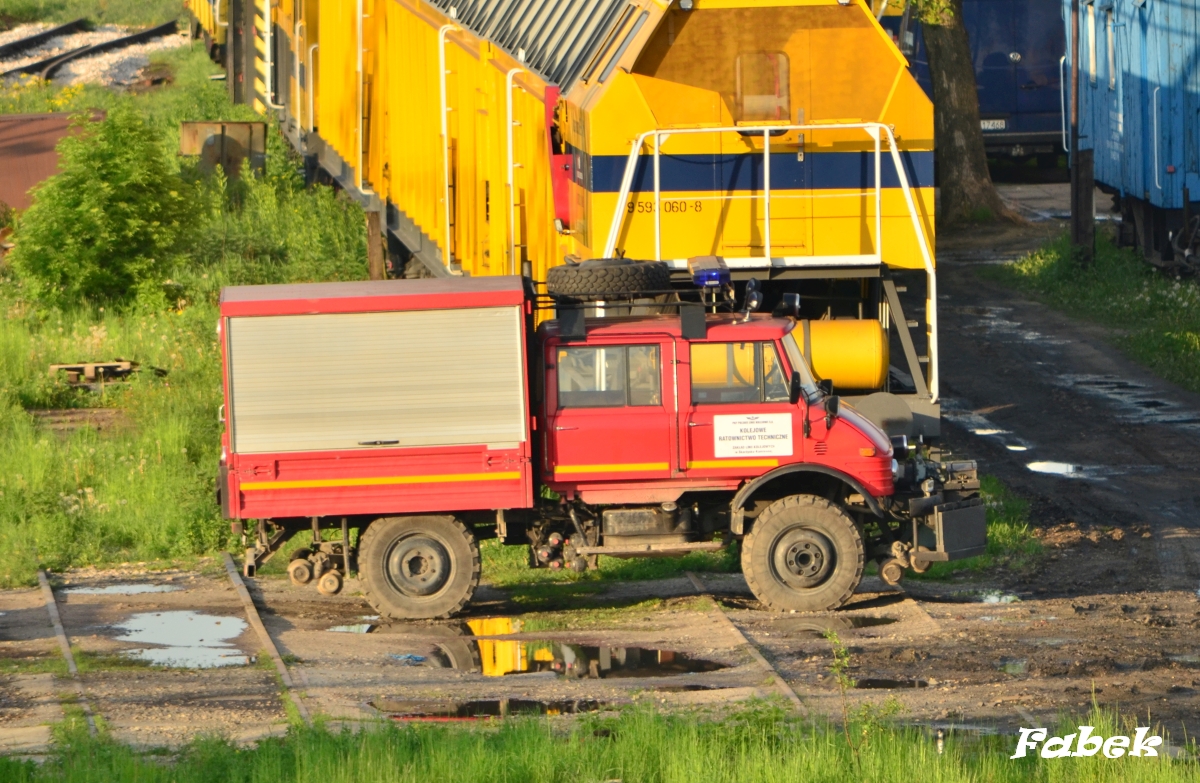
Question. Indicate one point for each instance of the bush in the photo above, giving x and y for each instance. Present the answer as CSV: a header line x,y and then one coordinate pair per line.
x,y
107,226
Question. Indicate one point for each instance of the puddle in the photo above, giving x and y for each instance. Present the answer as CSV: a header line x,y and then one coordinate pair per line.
x,y
998,597
884,684
130,589
1089,472
1063,469
980,425
1013,665
870,622
996,322
1134,401
480,709
1052,642
472,646
1188,659
186,639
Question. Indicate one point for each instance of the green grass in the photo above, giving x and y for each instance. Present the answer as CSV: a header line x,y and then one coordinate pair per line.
x,y
748,744
44,664
1155,318
128,12
1011,541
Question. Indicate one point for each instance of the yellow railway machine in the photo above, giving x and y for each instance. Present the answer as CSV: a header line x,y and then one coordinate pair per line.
x,y
787,137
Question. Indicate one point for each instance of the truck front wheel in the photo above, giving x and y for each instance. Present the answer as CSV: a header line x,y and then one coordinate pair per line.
x,y
803,554
419,567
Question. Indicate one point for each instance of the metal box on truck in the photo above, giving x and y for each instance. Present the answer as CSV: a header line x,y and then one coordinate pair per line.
x,y
375,398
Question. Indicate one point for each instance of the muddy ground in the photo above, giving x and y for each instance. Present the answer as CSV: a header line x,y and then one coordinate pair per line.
x,y
1105,453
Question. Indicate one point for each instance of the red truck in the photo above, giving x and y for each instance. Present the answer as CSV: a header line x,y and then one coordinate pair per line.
x,y
427,415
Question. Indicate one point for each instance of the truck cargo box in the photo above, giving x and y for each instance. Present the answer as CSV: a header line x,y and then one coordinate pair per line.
x,y
380,397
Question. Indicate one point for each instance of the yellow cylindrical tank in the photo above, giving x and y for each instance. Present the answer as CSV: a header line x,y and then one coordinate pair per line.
x,y
853,353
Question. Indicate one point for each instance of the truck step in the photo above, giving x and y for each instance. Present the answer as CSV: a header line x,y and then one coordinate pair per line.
x,y
664,550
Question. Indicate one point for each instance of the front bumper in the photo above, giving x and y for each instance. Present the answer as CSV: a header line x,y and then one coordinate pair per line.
x,y
952,531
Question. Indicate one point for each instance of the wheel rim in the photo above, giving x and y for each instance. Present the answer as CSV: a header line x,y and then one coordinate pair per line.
x,y
802,558
418,565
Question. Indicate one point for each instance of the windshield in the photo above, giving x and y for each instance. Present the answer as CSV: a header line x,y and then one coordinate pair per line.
x,y
808,386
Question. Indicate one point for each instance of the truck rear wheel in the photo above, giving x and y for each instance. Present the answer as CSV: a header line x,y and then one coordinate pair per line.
x,y
419,567
803,554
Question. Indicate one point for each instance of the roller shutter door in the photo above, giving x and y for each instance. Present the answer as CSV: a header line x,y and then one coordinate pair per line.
x,y
342,381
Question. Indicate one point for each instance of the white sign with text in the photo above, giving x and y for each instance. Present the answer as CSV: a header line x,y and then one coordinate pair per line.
x,y
752,435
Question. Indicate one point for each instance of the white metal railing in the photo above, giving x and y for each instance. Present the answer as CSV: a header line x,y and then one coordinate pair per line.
x,y
875,130
510,123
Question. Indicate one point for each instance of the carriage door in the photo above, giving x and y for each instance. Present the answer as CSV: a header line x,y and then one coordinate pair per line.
x,y
613,414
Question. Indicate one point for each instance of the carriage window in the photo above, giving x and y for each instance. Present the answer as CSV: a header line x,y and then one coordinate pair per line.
x,y
763,86
609,377
737,372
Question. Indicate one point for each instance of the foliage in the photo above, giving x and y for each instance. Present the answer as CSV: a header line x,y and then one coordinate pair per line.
x,y
1153,318
754,743
937,12
131,12
108,225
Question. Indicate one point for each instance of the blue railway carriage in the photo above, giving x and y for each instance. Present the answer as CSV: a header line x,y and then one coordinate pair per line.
x,y
1139,96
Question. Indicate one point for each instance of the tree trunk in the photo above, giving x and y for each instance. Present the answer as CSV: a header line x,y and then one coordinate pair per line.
x,y
967,192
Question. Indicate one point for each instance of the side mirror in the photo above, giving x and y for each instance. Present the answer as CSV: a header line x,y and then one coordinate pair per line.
x,y
833,404
826,387
794,388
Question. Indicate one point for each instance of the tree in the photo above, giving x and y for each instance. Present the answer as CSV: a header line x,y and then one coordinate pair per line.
x,y
967,192
109,222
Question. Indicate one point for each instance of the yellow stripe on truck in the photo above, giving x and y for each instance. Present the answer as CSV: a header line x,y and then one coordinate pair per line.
x,y
733,463
627,468
376,481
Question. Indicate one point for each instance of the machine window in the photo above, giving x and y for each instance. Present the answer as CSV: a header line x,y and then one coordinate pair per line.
x,y
737,372
612,376
763,88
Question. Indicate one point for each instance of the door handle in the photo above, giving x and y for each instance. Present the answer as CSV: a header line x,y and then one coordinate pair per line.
x,y
698,424
561,429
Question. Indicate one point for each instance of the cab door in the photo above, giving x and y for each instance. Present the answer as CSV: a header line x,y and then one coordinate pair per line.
x,y
611,412
739,420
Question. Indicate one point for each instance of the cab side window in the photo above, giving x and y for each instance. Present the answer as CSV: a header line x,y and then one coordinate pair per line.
x,y
737,373
611,376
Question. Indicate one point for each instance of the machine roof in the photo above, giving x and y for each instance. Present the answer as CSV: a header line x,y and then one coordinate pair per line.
x,y
372,296
559,39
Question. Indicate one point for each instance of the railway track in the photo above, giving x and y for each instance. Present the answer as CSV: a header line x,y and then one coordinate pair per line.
x,y
47,68
13,48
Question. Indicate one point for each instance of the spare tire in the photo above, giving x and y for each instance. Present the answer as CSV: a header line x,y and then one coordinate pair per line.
x,y
600,277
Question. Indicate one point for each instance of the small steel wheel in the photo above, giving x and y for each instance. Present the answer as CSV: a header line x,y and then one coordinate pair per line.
x,y
300,572
330,583
803,554
891,571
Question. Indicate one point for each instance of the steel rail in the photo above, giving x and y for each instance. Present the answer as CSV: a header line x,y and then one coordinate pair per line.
x,y
715,612
12,48
45,69
64,645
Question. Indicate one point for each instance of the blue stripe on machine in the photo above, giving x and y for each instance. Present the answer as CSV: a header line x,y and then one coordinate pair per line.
x,y
743,171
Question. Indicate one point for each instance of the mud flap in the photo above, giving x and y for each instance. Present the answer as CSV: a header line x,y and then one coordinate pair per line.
x,y
953,531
